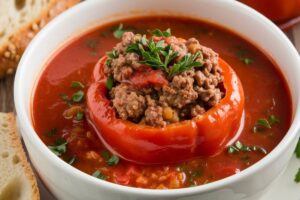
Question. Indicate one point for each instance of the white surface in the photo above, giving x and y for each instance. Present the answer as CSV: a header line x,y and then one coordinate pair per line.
x,y
67,182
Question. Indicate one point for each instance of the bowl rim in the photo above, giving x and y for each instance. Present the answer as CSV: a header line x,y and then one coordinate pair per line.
x,y
72,171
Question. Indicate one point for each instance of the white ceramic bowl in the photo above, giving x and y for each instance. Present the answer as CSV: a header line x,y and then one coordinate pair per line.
x,y
66,182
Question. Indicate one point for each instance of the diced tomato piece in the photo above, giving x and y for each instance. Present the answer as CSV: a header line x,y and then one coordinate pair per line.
x,y
146,76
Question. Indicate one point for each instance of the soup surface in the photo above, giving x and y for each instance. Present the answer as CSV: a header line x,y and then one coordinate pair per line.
x,y
58,107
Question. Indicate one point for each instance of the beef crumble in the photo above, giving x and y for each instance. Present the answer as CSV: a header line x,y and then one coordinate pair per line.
x,y
183,94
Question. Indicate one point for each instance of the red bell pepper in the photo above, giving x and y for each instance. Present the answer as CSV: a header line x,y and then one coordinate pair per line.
x,y
206,135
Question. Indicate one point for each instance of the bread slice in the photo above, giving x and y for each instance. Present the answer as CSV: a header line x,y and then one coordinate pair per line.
x,y
17,181
20,20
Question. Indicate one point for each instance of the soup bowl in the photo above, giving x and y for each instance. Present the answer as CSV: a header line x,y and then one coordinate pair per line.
x,y
66,182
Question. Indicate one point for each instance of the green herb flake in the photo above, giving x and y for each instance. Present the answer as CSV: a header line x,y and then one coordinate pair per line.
x,y
79,116
113,160
112,54
297,150
99,174
273,120
77,84
159,33
264,123
51,133
64,97
105,155
72,160
59,148
91,44
119,31
297,176
109,83
240,147
78,96
187,62
248,61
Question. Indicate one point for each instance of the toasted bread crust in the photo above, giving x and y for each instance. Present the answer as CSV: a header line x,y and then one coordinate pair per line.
x,y
12,50
17,146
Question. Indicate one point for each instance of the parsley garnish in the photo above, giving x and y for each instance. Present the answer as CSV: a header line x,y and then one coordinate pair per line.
x,y
159,55
273,120
247,61
77,84
263,123
59,148
99,174
239,147
119,31
66,99
78,96
159,33
297,176
111,55
242,55
51,133
186,63
79,116
297,150
71,160
113,160
109,83
92,44
110,159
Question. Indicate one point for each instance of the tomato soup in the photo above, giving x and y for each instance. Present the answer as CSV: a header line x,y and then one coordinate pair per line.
x,y
59,108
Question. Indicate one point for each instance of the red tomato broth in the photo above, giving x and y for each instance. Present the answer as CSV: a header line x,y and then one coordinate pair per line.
x,y
265,90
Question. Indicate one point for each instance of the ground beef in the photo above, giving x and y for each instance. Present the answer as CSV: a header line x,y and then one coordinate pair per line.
x,y
180,91
128,103
186,95
154,113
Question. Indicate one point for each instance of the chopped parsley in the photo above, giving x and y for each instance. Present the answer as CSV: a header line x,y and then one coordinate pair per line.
x,y
159,55
273,120
264,123
194,175
119,31
111,55
78,96
105,155
71,160
240,147
59,148
66,99
247,61
242,55
79,116
51,133
99,174
186,63
297,150
297,176
159,33
77,84
111,160
109,83
91,43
